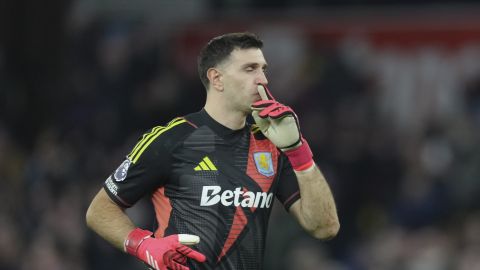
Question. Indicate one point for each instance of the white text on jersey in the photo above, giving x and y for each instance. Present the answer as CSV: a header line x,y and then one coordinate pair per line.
x,y
211,196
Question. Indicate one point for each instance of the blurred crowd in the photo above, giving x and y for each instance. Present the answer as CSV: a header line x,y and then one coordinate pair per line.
x,y
396,132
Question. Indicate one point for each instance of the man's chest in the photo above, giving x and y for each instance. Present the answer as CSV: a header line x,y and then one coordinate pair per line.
x,y
213,170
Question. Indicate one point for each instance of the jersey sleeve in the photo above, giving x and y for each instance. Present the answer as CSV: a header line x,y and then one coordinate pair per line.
x,y
146,168
288,191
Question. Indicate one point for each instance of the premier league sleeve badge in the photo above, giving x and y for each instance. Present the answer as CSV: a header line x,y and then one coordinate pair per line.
x,y
122,170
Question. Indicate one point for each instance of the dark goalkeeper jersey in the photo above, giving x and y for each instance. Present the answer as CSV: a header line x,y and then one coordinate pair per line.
x,y
211,181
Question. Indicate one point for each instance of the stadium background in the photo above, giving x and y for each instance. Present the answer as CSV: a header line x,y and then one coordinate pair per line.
x,y
388,94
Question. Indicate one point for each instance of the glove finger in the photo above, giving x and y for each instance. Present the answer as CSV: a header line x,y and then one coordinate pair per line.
x,y
171,256
179,258
188,239
281,112
172,259
190,253
262,104
255,116
267,111
264,92
261,122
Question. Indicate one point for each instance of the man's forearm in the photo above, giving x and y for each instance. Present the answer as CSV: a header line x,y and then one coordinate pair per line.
x,y
316,210
109,220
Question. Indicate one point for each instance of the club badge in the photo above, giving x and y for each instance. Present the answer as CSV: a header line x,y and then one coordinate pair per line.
x,y
264,163
121,172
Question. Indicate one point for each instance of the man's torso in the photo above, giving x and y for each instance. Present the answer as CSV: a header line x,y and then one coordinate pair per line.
x,y
216,183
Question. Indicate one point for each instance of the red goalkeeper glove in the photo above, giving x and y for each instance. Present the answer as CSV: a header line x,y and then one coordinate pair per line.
x,y
280,125
163,253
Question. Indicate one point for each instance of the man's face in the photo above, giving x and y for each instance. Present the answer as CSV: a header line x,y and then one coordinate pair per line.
x,y
241,73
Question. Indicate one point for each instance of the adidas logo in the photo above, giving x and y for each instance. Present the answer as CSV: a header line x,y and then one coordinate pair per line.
x,y
205,165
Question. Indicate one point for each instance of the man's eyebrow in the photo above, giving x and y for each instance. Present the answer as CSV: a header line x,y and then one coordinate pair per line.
x,y
254,64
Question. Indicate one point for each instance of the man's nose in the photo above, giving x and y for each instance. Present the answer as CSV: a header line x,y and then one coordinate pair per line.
x,y
261,78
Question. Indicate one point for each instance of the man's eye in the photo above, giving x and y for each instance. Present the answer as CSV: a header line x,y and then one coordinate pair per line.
x,y
249,69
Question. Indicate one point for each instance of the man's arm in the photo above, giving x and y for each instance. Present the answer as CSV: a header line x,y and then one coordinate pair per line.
x,y
109,220
315,211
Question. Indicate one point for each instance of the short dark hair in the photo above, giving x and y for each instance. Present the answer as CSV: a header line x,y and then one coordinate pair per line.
x,y
219,48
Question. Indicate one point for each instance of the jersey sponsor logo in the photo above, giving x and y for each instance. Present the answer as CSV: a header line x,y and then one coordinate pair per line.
x,y
212,195
264,163
205,165
122,170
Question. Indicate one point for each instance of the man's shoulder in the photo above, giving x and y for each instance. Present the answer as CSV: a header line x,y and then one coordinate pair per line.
x,y
176,128
195,119
162,137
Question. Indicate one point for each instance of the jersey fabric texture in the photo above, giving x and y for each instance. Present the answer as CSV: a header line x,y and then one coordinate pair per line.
x,y
208,180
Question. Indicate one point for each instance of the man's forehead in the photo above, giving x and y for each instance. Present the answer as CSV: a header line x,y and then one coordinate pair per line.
x,y
254,55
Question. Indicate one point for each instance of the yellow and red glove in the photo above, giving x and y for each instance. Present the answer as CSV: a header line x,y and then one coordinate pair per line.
x,y
169,252
279,124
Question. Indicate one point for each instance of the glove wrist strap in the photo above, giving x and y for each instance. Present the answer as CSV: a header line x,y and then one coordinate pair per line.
x,y
134,240
301,157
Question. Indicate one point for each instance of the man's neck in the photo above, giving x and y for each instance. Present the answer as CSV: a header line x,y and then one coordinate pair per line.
x,y
234,120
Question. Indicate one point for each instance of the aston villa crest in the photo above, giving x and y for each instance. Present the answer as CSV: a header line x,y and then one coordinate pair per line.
x,y
264,163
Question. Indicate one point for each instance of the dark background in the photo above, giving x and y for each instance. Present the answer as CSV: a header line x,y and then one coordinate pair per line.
x,y
388,95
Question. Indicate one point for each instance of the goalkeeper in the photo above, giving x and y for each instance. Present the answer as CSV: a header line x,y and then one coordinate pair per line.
x,y
212,176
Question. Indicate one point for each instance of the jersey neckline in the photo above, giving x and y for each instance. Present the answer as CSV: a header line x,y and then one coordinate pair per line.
x,y
219,128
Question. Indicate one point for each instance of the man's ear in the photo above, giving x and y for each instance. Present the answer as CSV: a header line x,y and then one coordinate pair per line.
x,y
215,78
